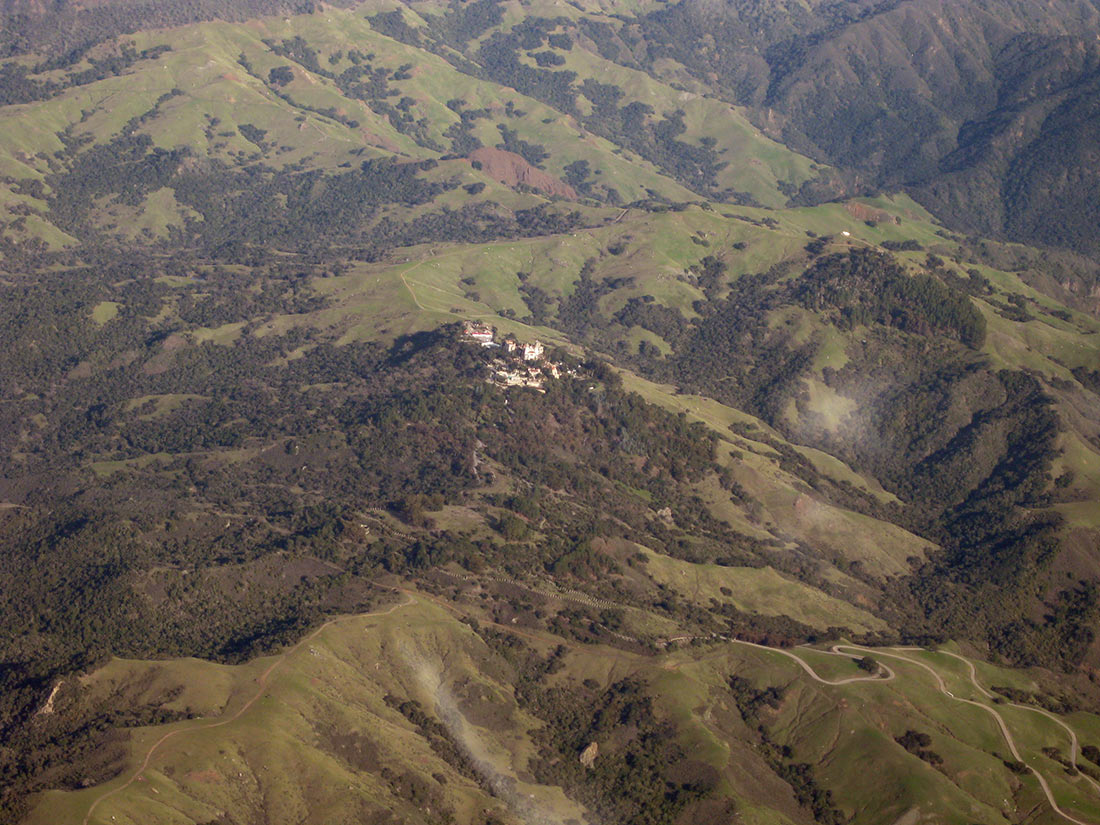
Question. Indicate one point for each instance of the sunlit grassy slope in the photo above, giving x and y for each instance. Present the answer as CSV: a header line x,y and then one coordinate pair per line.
x,y
214,81
306,735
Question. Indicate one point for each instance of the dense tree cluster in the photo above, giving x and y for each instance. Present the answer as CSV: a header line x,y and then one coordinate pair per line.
x,y
976,483
246,213
865,287
141,440
641,774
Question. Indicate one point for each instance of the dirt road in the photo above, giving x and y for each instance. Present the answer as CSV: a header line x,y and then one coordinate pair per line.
x,y
886,674
261,684
1001,723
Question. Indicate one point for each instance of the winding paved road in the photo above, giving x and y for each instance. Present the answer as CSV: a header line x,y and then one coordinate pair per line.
x,y
1074,747
813,674
1005,732
887,675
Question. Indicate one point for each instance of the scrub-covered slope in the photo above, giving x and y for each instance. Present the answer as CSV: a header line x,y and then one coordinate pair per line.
x,y
248,266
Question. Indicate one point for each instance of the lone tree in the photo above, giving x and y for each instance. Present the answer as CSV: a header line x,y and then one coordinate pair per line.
x,y
280,76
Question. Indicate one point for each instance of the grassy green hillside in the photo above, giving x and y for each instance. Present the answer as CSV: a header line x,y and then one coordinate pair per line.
x,y
414,714
348,93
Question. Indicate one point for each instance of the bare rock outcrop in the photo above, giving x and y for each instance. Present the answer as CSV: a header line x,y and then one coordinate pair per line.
x,y
589,754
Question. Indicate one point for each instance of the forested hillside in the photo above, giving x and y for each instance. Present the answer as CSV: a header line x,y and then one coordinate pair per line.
x,y
821,381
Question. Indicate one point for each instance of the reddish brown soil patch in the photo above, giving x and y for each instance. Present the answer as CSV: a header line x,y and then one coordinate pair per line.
x,y
163,360
205,777
863,212
372,139
81,370
174,342
511,170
